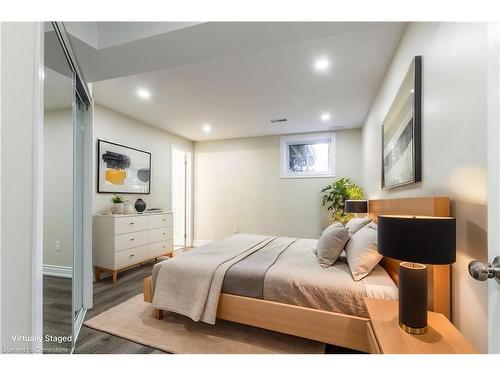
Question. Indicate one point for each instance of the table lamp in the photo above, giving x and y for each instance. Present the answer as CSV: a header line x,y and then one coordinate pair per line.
x,y
416,240
356,206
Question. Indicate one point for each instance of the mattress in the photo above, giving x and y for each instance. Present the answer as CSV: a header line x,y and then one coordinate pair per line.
x,y
279,269
296,278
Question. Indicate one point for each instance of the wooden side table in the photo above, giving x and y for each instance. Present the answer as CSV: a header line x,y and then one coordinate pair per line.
x,y
387,337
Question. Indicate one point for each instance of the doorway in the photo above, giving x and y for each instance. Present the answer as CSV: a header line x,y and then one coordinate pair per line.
x,y
182,188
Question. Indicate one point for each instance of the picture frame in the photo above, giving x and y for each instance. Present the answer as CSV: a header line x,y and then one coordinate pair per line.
x,y
122,169
401,132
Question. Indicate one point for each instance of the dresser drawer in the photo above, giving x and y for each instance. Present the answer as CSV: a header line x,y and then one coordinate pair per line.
x,y
158,221
130,224
160,234
129,240
160,248
130,257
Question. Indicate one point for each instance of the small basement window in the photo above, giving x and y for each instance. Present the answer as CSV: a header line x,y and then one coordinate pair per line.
x,y
310,155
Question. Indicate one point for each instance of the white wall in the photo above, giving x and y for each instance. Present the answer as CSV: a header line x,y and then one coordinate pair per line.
x,y
118,128
58,187
453,147
17,171
237,182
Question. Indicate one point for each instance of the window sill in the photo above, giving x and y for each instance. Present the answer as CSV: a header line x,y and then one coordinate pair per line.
x,y
308,176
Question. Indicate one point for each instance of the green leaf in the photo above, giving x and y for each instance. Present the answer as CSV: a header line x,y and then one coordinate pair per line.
x,y
335,194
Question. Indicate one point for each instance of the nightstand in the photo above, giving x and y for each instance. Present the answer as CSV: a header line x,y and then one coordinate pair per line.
x,y
386,337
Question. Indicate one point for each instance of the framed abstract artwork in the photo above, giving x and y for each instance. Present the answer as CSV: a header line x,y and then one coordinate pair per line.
x,y
122,169
401,132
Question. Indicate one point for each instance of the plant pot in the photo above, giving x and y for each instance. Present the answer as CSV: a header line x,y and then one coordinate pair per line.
x,y
140,205
117,208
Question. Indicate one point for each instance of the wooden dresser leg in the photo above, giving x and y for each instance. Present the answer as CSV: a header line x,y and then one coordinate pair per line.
x,y
158,314
114,274
97,274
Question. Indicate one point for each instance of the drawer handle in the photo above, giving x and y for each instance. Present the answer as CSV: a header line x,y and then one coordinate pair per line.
x,y
131,239
164,219
131,255
163,233
131,223
164,246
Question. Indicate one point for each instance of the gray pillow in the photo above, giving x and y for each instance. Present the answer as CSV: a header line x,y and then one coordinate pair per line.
x,y
356,224
331,244
362,253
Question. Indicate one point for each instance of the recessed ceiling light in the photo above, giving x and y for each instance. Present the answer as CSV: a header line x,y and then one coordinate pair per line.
x,y
321,64
143,94
325,117
207,128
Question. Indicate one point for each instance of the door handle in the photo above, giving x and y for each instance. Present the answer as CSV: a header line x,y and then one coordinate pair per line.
x,y
482,271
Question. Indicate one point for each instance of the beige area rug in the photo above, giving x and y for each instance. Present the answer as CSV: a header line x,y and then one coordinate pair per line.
x,y
134,320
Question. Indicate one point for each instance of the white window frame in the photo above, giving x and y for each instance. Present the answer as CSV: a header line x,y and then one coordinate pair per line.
x,y
287,140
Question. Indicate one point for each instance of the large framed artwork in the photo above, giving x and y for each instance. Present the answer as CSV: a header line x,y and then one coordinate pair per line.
x,y
122,169
401,132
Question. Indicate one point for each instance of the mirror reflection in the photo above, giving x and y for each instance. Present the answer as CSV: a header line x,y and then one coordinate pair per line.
x,y
58,197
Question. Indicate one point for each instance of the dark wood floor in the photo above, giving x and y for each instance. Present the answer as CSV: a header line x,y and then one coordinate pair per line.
x,y
56,313
107,295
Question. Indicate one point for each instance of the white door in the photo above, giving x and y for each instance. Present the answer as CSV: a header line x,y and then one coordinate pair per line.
x,y
494,186
182,184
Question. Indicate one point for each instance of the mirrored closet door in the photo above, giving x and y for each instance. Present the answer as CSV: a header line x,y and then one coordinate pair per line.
x,y
67,108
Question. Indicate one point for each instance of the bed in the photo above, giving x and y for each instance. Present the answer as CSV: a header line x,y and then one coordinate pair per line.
x,y
276,283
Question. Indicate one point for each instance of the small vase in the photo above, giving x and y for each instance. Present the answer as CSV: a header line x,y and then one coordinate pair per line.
x,y
140,205
128,208
117,208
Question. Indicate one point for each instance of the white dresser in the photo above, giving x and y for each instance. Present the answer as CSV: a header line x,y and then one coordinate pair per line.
x,y
123,241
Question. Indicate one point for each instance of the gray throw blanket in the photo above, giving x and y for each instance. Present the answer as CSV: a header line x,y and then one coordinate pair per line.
x,y
191,284
246,278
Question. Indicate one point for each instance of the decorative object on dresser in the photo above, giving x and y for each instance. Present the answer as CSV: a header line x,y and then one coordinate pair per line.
x,y
122,169
335,195
117,207
140,205
385,336
124,241
401,134
128,208
421,239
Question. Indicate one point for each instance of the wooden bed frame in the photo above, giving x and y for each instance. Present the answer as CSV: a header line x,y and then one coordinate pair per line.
x,y
333,328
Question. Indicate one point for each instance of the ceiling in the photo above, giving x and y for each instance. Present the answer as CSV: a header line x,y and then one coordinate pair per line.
x,y
239,76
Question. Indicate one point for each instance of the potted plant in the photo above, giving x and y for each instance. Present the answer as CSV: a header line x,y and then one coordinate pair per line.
x,y
117,207
335,194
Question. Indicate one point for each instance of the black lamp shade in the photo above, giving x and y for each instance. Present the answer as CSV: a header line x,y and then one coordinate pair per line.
x,y
420,239
356,206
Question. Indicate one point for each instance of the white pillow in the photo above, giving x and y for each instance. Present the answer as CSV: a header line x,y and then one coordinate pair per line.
x,y
361,251
356,224
331,244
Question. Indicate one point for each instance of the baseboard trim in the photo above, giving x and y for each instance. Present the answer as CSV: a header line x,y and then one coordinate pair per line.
x,y
57,271
197,243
